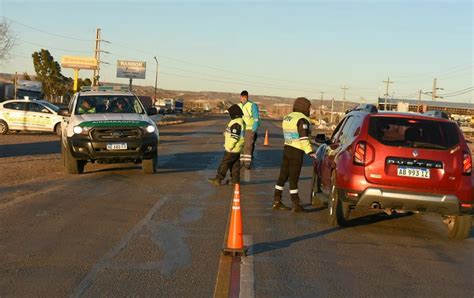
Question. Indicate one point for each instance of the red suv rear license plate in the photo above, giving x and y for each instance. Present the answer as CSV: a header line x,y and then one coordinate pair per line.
x,y
413,172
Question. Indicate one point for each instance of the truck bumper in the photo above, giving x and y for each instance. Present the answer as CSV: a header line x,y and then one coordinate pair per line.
x,y
83,148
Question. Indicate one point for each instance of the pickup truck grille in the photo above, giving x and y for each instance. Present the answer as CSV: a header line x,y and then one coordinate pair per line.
x,y
106,134
422,163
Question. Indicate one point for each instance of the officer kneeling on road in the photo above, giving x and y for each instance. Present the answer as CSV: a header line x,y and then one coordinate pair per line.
x,y
234,142
297,133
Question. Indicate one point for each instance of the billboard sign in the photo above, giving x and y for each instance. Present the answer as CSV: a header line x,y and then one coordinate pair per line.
x,y
34,86
77,62
131,69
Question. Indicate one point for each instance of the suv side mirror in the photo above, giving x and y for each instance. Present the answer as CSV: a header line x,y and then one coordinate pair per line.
x,y
321,138
151,111
64,112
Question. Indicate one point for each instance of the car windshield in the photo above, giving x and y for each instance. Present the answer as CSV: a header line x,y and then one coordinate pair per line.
x,y
102,104
414,133
50,105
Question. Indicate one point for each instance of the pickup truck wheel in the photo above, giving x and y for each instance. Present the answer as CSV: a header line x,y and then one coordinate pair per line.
x,y
339,211
315,190
149,165
3,127
459,227
73,166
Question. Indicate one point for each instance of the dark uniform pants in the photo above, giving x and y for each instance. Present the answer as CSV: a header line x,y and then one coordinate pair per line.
x,y
290,170
249,147
230,161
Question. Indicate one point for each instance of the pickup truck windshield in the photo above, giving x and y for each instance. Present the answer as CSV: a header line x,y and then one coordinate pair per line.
x,y
102,104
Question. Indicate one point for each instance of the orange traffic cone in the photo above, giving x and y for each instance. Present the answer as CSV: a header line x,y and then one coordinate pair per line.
x,y
235,240
265,142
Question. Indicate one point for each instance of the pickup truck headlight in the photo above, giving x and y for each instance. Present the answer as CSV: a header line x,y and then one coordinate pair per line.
x,y
77,130
150,128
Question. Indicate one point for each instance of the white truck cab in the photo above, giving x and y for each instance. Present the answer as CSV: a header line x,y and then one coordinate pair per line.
x,y
108,125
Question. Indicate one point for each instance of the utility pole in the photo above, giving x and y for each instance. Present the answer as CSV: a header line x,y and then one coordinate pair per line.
x,y
15,81
388,82
434,96
95,79
419,102
344,88
332,108
433,92
321,109
156,76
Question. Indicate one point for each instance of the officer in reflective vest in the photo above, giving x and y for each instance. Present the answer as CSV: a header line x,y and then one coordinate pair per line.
x,y
252,122
233,144
297,133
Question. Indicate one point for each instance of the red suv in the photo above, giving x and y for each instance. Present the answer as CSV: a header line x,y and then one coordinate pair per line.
x,y
395,162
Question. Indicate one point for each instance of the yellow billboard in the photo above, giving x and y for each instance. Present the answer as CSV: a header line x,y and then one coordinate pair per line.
x,y
77,62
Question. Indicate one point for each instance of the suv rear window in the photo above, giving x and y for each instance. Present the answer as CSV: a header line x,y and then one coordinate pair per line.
x,y
414,133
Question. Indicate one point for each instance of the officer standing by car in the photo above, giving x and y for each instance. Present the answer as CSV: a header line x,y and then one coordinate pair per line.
x,y
252,122
297,134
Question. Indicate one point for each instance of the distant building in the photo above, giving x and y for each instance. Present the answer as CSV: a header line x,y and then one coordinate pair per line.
x,y
281,109
411,105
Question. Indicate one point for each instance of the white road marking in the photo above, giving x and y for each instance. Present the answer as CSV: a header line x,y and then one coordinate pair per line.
x,y
247,280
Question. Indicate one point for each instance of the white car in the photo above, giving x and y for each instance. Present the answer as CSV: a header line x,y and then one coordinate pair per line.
x,y
29,115
108,126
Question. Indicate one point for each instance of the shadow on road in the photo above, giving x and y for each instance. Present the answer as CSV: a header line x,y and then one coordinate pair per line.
x,y
269,246
365,220
39,148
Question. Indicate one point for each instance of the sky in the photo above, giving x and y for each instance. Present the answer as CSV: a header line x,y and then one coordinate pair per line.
x,y
279,48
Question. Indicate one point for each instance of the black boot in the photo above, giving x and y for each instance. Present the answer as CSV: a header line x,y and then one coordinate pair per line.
x,y
295,200
215,181
278,205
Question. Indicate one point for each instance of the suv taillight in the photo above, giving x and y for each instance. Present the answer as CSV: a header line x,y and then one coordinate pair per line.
x,y
360,153
466,163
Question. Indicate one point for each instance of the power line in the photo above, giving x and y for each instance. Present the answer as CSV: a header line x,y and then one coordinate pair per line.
x,y
53,48
48,33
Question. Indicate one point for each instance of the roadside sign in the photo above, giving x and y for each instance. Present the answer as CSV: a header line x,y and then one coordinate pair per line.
x,y
34,86
77,62
131,69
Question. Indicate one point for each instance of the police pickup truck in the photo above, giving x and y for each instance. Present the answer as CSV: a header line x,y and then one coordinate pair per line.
x,y
108,125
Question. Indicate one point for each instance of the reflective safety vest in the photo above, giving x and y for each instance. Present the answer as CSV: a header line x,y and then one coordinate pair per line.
x,y
248,115
291,134
89,111
234,142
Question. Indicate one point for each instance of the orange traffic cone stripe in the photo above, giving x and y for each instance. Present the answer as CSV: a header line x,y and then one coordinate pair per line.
x,y
265,142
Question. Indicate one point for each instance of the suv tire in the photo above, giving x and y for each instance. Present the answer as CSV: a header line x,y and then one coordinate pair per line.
x,y
339,211
149,165
315,198
73,166
3,127
459,226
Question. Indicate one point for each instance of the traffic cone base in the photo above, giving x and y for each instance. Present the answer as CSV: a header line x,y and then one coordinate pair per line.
x,y
235,241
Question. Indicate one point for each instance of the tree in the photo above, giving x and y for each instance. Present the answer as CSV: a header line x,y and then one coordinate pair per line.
x,y
48,72
7,40
26,77
85,82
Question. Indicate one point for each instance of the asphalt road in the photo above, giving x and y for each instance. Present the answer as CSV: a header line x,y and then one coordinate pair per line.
x,y
117,232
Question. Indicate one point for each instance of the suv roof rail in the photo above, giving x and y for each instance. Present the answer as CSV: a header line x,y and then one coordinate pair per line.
x,y
437,114
369,108
105,88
